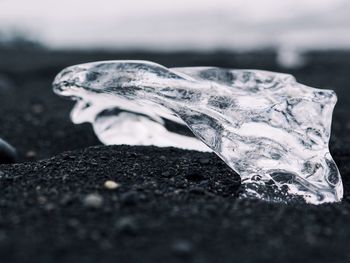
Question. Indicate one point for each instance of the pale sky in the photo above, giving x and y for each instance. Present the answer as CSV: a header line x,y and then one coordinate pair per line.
x,y
178,24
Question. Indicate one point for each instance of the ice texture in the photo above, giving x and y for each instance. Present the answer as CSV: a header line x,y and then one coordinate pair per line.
x,y
271,130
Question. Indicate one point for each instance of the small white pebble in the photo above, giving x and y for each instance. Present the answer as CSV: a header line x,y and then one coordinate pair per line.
x,y
31,154
93,200
111,185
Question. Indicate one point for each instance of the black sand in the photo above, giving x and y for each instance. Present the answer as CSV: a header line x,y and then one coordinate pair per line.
x,y
171,205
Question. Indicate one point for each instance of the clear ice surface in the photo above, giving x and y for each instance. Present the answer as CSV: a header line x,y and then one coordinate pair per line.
x,y
268,128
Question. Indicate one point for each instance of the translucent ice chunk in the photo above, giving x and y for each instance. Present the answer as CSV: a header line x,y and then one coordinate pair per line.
x,y
268,128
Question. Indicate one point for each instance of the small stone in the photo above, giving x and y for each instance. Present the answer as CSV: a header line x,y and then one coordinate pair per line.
x,y
93,200
204,161
3,236
197,191
66,199
182,247
31,154
129,198
42,200
158,192
68,157
127,225
111,185
49,207
73,222
166,174
192,176
37,108
59,134
5,84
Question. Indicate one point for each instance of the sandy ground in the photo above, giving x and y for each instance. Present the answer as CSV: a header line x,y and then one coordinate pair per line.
x,y
169,205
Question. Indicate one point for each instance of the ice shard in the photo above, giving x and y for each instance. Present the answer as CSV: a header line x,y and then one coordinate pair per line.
x,y
8,153
267,127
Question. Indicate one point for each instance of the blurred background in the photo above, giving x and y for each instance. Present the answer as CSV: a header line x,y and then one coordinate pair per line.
x,y
180,24
289,26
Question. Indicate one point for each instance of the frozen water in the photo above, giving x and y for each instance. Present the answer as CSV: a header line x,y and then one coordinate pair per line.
x,y
268,128
8,154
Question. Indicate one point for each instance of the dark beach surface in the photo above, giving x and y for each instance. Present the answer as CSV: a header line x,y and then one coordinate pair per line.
x,y
170,205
